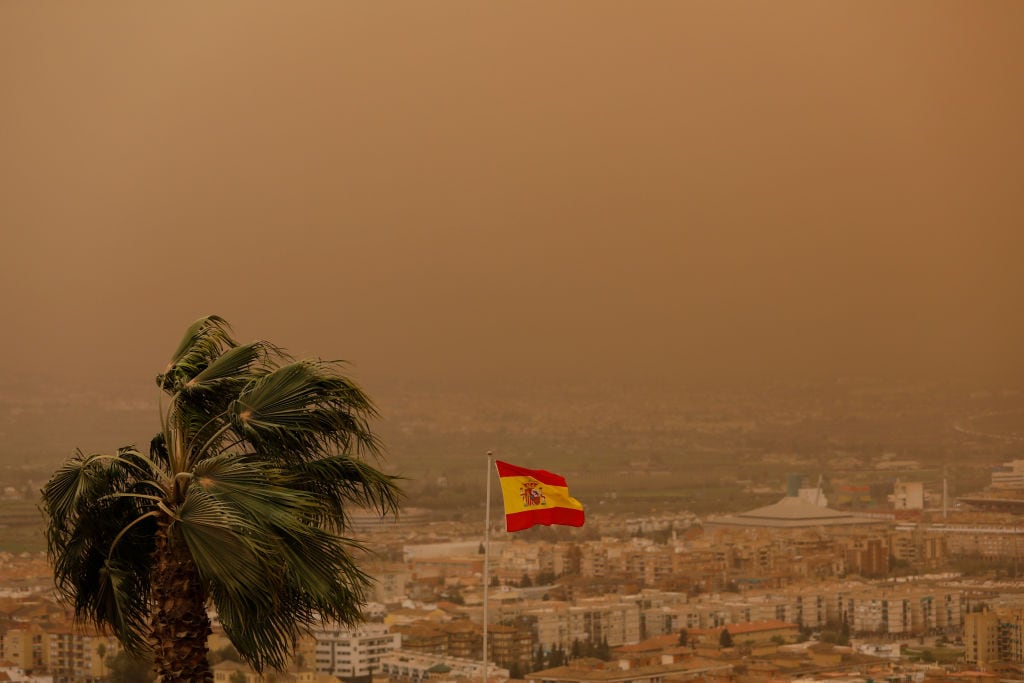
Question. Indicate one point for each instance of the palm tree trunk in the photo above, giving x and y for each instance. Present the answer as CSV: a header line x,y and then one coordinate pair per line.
x,y
180,625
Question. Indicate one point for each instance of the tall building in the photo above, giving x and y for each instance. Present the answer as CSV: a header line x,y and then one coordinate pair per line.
x,y
26,646
79,655
981,639
993,638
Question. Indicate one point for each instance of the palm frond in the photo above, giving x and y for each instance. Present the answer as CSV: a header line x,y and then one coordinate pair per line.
x,y
262,634
89,505
68,486
158,451
129,463
203,399
122,602
304,410
254,490
315,588
204,340
313,575
340,480
287,518
232,365
228,550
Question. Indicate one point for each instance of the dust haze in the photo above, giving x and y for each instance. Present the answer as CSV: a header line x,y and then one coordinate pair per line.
x,y
455,192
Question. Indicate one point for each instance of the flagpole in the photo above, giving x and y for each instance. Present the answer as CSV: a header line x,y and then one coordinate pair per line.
x,y
487,553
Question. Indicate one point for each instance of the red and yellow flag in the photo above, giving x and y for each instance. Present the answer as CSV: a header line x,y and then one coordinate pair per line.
x,y
536,497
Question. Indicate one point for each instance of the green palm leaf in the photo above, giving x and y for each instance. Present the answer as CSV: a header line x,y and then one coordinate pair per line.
x,y
227,549
122,604
302,409
340,480
234,365
205,340
70,484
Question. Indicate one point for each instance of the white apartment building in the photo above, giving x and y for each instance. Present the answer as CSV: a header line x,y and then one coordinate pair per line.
x,y
594,620
904,610
661,621
521,557
348,652
867,608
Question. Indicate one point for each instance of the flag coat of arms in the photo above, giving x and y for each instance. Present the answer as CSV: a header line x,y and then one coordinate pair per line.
x,y
536,497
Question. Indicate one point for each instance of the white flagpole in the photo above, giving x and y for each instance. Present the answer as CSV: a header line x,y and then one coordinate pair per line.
x,y
487,553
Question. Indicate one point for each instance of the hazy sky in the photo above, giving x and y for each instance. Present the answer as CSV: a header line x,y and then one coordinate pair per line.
x,y
484,190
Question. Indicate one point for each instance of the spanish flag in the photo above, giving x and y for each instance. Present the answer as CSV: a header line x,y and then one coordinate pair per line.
x,y
536,497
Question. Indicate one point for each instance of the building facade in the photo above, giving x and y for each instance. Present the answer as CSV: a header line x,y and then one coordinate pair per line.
x,y
350,653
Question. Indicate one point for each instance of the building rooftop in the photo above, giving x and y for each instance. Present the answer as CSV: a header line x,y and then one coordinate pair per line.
x,y
614,674
758,626
790,512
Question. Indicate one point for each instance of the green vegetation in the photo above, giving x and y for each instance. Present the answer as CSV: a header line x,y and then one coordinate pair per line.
x,y
241,501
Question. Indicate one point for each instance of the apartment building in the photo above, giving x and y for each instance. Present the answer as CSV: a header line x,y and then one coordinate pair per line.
x,y
519,558
866,556
612,619
660,621
507,645
1011,639
423,637
25,645
994,638
511,646
440,567
353,652
894,610
465,639
390,582
917,546
77,655
981,639
867,608
989,541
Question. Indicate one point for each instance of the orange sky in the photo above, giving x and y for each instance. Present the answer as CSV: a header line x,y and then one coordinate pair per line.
x,y
550,190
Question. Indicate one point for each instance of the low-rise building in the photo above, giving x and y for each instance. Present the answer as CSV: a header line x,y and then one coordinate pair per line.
x,y
414,667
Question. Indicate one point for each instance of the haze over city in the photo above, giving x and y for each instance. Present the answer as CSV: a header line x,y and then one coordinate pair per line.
x,y
502,194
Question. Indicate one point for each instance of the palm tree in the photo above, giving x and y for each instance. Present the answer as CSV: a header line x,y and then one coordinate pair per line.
x,y
242,502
